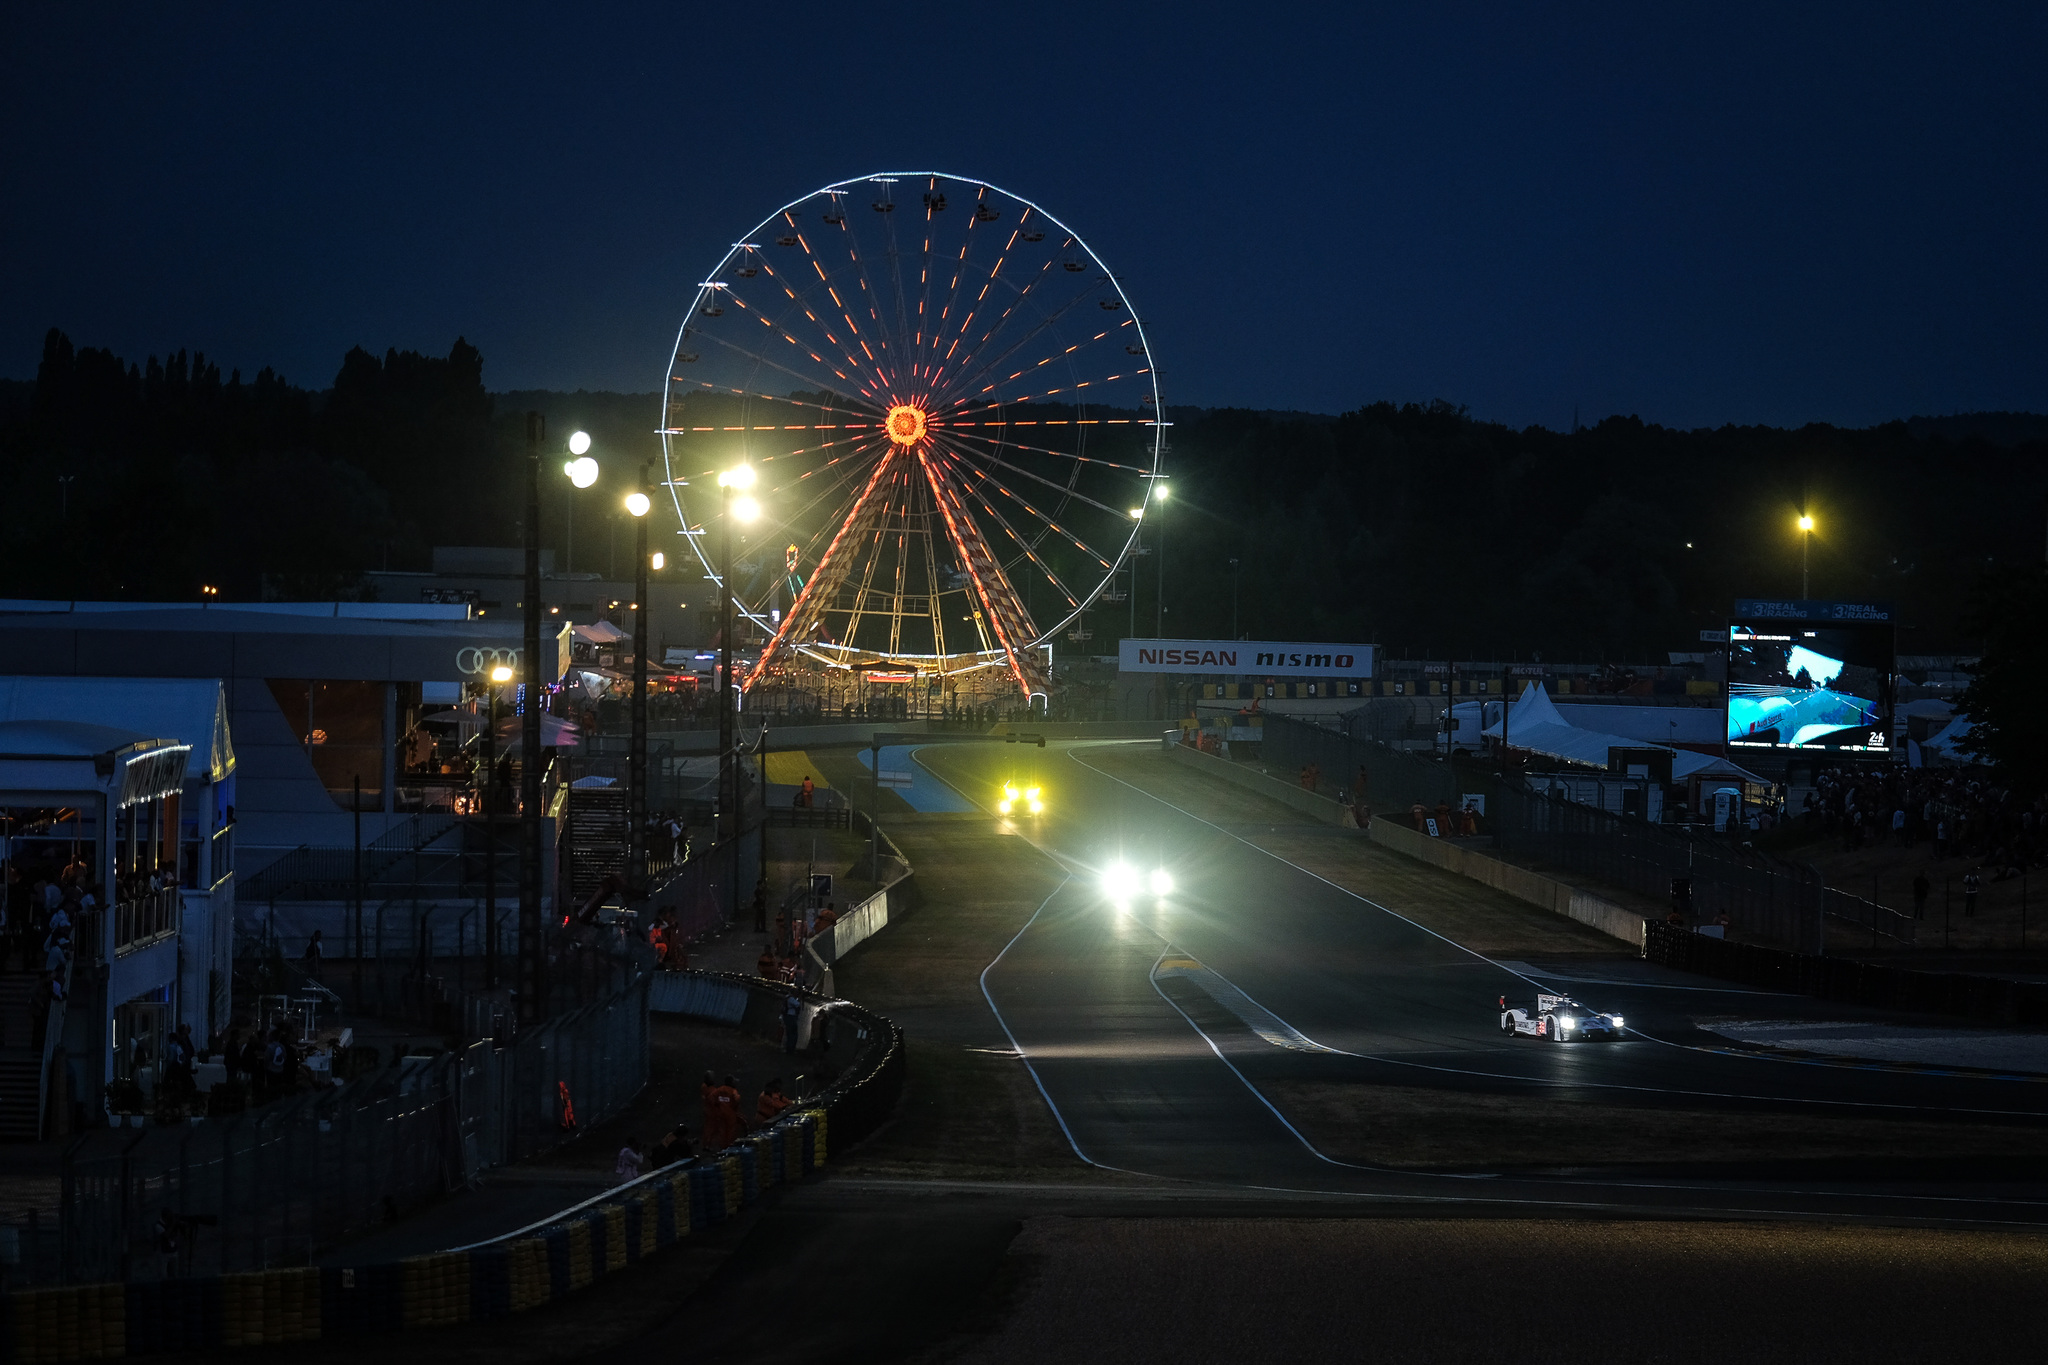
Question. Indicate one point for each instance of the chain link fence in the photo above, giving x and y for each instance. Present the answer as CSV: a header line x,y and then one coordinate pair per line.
x,y
276,1185
1763,898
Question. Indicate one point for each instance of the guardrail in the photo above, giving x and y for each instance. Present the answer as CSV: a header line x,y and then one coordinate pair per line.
x,y
517,1272
1994,999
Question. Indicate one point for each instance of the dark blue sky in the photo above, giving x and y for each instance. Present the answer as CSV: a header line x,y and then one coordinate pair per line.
x,y
1697,214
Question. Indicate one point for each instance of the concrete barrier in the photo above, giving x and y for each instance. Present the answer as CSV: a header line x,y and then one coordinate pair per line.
x,y
1323,808
1520,882
1553,895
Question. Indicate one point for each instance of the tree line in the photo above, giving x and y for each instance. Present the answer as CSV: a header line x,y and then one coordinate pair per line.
x,y
1415,526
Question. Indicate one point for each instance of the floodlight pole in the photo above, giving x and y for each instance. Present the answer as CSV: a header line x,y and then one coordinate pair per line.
x,y
636,761
532,980
725,820
484,790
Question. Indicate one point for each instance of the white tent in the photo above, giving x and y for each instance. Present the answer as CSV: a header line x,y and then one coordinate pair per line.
x,y
600,633
1534,723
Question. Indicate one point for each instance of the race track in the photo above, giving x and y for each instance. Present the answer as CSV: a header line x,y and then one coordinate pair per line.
x,y
1115,1008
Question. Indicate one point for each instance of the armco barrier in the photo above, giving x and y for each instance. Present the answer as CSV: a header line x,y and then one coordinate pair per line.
x,y
2021,1004
512,1274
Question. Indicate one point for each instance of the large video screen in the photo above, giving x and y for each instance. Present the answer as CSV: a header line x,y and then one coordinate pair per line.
x,y
1795,684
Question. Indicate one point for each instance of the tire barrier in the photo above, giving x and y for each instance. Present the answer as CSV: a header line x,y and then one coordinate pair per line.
x,y
2022,1004
513,1274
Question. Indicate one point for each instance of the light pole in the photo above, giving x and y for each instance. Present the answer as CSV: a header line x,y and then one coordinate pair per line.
x,y
1159,551
639,504
1137,549
532,978
582,472
1805,536
735,504
488,791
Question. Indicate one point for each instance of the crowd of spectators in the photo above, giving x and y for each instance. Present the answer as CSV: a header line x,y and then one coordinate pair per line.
x,y
40,917
1959,814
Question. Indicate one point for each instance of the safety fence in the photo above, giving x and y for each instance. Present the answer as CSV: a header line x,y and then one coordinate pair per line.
x,y
274,1185
512,1274
1705,876
2021,1004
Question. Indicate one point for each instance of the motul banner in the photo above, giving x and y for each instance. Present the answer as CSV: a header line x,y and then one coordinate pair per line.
x,y
1253,658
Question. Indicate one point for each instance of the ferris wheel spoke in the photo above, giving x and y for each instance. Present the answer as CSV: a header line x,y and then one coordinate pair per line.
x,y
807,613
780,323
1026,550
845,226
1065,488
763,360
886,369
1051,522
960,273
961,431
1045,322
1006,614
809,306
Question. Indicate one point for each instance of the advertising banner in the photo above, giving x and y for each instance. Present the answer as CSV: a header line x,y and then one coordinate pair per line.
x,y
1257,658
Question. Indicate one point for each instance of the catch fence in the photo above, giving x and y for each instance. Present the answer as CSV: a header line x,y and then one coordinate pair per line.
x,y
1763,898
276,1185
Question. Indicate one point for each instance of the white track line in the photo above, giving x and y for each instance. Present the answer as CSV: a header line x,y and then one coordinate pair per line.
x,y
1507,1076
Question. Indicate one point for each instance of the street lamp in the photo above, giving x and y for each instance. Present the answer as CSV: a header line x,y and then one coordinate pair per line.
x,y
487,793
1805,536
1159,564
737,505
582,472
638,504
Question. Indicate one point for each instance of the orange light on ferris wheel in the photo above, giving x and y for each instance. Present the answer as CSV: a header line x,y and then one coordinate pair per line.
x,y
906,424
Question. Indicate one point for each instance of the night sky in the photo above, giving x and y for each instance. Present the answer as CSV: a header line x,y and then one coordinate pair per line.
x,y
1699,215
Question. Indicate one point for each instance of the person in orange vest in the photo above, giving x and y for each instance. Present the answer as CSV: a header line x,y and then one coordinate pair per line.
x,y
826,918
765,965
723,1120
809,792
769,1107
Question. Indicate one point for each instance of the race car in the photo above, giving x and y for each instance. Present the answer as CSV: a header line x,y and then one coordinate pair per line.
x,y
1558,1018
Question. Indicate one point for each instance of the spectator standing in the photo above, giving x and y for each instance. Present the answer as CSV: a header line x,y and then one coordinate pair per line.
x,y
1969,894
631,1160
792,1017
316,954
1921,888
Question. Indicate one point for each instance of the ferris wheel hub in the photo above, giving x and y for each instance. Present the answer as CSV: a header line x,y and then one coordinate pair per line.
x,y
906,423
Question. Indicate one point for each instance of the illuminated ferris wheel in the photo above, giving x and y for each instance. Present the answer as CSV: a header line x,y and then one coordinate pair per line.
x,y
952,415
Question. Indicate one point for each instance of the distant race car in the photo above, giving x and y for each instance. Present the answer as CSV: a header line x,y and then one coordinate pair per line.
x,y
1558,1018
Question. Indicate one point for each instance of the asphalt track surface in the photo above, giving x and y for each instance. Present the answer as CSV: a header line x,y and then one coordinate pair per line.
x,y
1340,988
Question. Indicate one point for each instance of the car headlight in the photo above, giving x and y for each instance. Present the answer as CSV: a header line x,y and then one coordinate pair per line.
x,y
1037,807
1616,1018
1002,808
1162,882
1567,1023
1120,880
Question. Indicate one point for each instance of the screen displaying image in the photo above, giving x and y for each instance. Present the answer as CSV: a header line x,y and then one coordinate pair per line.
x,y
1795,685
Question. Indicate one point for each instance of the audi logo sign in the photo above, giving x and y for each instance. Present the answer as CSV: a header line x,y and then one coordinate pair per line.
x,y
474,660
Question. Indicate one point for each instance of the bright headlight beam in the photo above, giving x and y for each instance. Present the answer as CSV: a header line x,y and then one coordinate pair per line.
x,y
1120,880
1162,882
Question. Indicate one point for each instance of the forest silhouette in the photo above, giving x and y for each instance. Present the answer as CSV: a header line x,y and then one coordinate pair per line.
x,y
1416,526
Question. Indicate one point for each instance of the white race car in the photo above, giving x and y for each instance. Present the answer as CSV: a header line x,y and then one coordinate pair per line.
x,y
1558,1018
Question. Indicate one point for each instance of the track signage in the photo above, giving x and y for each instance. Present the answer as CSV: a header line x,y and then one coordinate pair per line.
x,y
1261,658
